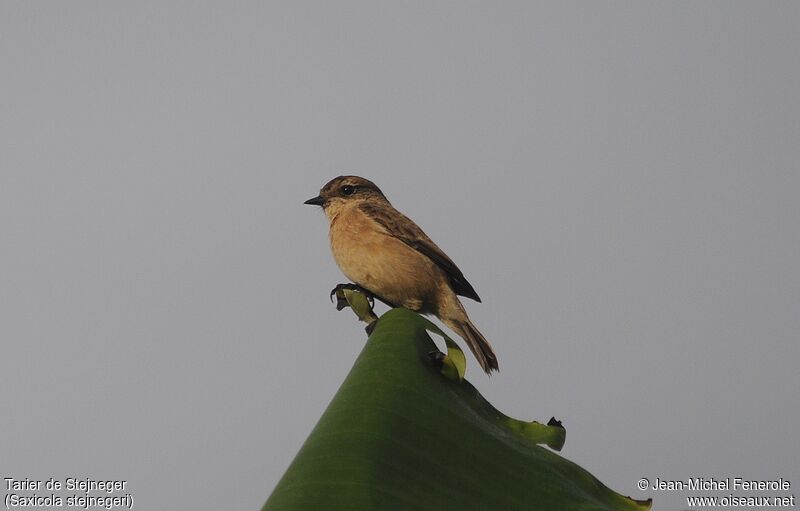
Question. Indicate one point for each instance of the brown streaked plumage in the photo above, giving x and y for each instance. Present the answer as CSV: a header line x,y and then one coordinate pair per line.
x,y
386,253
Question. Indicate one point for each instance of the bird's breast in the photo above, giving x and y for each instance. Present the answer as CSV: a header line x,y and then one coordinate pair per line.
x,y
381,263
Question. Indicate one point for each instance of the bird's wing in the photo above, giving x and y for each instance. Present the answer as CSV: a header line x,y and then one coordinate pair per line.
x,y
403,228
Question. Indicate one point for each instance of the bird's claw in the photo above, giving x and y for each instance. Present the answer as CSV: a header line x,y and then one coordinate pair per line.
x,y
359,300
341,301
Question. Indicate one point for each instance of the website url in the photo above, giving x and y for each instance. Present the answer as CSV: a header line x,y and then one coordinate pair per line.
x,y
734,501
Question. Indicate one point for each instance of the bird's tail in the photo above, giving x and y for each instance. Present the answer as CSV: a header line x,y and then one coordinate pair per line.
x,y
477,343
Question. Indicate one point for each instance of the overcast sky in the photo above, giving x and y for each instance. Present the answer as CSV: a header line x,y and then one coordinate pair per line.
x,y
618,180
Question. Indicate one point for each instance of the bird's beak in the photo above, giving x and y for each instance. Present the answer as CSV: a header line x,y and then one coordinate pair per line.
x,y
316,201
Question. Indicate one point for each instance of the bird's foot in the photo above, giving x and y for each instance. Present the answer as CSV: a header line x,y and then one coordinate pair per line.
x,y
358,299
341,300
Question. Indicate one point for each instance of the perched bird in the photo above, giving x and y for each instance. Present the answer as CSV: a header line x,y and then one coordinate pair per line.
x,y
388,255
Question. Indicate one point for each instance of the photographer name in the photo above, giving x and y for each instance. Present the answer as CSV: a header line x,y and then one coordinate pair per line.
x,y
727,484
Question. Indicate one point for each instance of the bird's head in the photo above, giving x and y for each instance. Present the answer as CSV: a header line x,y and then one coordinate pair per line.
x,y
344,190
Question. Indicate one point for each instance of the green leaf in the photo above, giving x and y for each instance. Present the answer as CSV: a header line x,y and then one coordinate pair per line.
x,y
360,305
400,435
552,435
455,363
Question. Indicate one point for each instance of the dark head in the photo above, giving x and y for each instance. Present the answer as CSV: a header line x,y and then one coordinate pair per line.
x,y
345,189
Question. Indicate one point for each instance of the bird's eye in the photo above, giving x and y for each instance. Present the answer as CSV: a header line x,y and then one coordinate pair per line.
x,y
348,189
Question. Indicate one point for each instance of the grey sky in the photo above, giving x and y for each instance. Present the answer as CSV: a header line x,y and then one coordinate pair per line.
x,y
618,180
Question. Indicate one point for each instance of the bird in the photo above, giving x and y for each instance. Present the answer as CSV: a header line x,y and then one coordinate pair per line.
x,y
385,253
